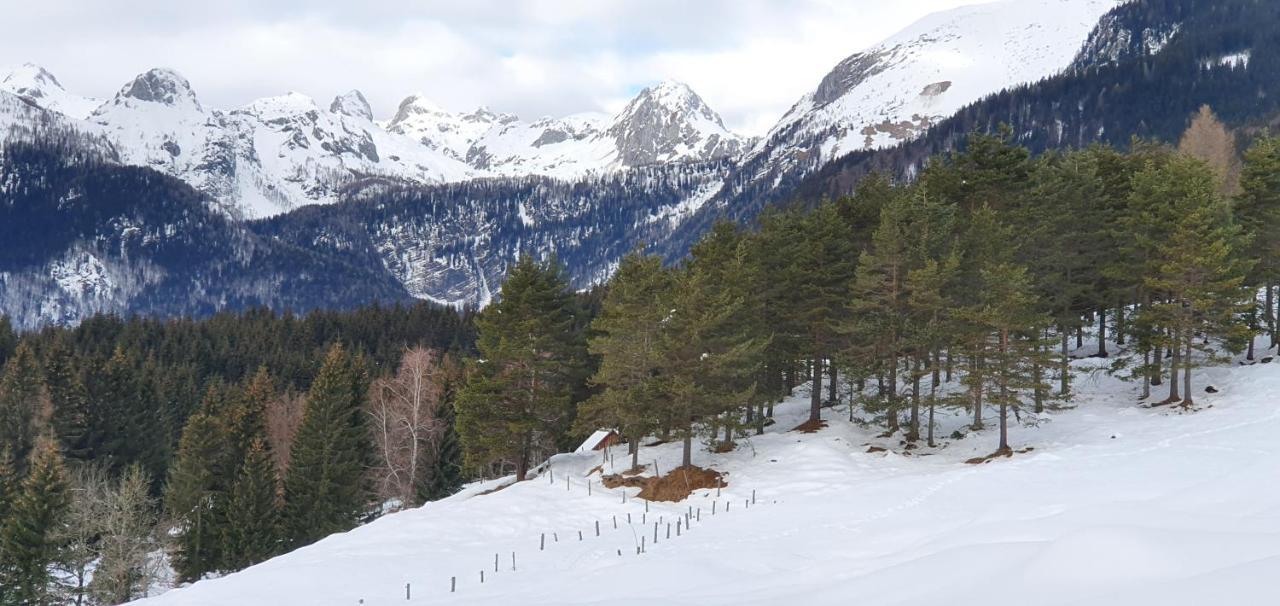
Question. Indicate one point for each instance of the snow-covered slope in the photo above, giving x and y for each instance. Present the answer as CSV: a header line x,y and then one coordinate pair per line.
x,y
666,122
894,90
37,85
1113,504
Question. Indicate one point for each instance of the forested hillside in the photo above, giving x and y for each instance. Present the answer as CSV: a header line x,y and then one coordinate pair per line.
x,y
81,235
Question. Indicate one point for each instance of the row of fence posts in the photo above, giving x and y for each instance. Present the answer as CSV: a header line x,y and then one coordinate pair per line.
x,y
683,523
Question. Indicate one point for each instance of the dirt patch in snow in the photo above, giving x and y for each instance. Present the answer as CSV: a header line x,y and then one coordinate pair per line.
x,y
677,485
496,489
1002,453
811,426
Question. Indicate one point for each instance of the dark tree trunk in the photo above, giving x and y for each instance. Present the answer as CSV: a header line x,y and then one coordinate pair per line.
x,y
1271,314
1187,399
635,453
522,460
893,394
1004,427
1102,332
1146,374
1064,379
1120,323
977,394
1080,336
1173,370
815,394
913,433
1253,325
1157,366
686,458
832,393
1004,391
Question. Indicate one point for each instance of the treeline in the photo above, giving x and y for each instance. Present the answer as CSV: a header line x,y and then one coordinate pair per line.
x,y
964,288
218,442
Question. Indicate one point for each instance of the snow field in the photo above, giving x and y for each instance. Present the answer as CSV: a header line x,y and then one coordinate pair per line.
x,y
1115,504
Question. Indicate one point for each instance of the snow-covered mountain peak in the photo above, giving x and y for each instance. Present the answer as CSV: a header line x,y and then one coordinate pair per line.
x,y
163,86
37,85
894,90
672,96
415,105
352,103
30,74
287,105
669,121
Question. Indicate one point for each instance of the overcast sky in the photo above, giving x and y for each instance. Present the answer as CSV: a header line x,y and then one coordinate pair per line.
x,y
750,59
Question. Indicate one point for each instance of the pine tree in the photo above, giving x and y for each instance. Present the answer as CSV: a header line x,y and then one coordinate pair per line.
x,y
8,483
126,420
246,417
444,478
913,228
197,490
931,323
22,402
627,337
1258,210
1200,271
711,354
70,402
516,402
253,516
1011,351
8,339
27,541
325,488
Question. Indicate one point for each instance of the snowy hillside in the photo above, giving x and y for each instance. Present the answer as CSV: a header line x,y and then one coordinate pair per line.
x,y
893,91
1105,503
35,84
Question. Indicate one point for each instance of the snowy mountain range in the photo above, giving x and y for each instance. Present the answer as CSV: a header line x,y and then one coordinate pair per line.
x,y
440,203
279,153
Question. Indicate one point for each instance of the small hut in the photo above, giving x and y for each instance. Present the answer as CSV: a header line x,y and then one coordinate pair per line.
x,y
601,439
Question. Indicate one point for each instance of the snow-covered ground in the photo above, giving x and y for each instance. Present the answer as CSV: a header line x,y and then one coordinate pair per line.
x,y
1115,504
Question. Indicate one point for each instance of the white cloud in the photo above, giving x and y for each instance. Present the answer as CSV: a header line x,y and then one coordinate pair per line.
x,y
750,59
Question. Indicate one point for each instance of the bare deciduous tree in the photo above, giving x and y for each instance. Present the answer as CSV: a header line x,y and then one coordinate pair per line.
x,y
127,567
109,548
79,533
404,423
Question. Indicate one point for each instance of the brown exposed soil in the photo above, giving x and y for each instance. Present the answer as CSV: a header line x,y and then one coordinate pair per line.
x,y
596,469
493,490
675,486
871,449
811,426
1002,453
